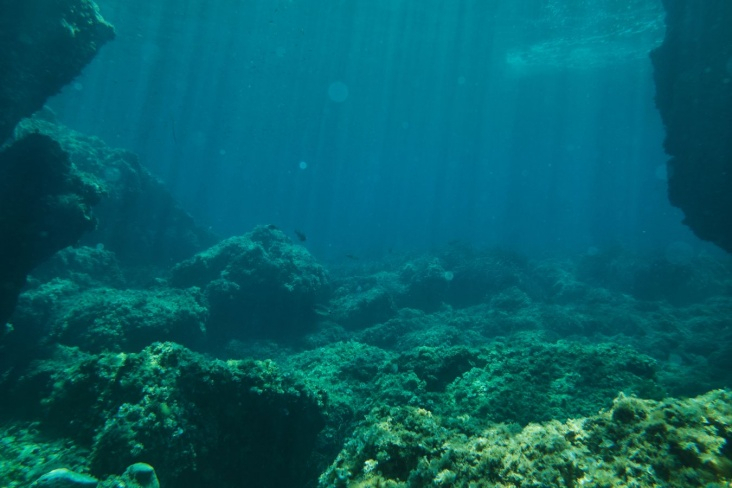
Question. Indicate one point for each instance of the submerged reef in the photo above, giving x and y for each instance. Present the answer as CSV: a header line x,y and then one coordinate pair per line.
x,y
553,372
693,77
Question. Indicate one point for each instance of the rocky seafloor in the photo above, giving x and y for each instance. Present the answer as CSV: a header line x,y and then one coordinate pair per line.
x,y
252,364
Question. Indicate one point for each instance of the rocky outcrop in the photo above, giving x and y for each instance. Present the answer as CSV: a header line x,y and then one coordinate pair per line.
x,y
693,75
257,285
45,205
200,422
139,220
43,46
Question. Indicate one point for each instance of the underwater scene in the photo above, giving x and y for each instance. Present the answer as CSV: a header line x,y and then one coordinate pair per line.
x,y
365,243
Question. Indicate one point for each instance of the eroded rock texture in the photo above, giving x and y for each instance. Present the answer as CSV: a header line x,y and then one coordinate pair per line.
x,y
693,75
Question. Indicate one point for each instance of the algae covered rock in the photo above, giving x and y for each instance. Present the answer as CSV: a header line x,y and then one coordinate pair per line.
x,y
85,266
200,422
65,478
141,475
105,319
257,285
138,218
524,381
27,454
520,381
138,475
674,443
458,277
363,301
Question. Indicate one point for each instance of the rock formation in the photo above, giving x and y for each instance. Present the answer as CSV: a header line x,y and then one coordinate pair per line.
x,y
693,75
44,45
44,203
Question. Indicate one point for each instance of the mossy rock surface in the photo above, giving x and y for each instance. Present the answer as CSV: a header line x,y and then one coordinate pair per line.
x,y
644,443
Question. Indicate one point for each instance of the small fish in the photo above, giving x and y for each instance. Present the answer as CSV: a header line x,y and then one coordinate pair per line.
x,y
301,236
352,256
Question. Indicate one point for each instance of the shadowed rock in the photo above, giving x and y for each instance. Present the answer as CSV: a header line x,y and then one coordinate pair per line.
x,y
45,205
44,44
693,75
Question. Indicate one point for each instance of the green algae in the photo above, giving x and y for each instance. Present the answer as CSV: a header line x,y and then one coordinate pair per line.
x,y
635,443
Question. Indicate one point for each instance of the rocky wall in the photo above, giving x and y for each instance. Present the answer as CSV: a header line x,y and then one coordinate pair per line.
x,y
693,76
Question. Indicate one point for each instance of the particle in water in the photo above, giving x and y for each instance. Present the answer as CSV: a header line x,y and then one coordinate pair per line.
x,y
338,91
303,165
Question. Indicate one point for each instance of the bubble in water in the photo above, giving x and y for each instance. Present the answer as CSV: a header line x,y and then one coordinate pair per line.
x,y
338,91
461,80
280,52
449,275
100,247
592,251
303,165
222,152
77,86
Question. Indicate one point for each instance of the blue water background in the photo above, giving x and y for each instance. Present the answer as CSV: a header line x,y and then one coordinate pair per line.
x,y
382,126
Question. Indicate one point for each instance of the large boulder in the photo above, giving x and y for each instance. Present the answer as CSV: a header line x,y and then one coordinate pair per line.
x,y
257,285
200,422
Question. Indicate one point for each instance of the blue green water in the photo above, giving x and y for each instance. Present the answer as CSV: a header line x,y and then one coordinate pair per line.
x,y
381,125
